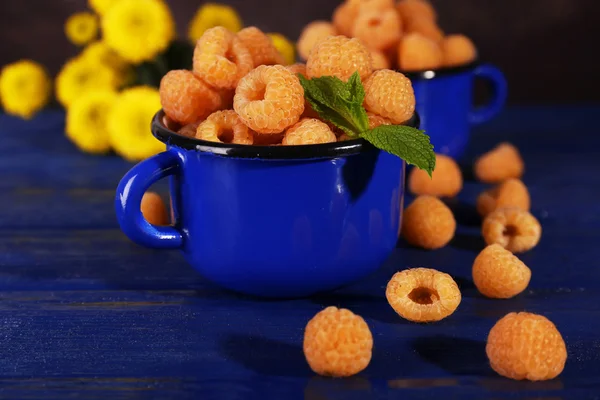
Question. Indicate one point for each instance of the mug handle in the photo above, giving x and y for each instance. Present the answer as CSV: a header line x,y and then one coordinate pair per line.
x,y
496,78
128,201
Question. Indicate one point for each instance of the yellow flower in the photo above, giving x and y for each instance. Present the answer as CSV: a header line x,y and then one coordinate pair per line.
x,y
24,88
101,6
87,121
99,52
79,76
138,29
81,28
211,15
129,123
285,47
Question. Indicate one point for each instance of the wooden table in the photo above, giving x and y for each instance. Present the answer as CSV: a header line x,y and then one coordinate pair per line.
x,y
84,313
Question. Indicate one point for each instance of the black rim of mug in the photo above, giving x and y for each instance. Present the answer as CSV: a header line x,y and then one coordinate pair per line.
x,y
311,151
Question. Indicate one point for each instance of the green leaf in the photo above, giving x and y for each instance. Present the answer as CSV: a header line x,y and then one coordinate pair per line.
x,y
338,102
410,144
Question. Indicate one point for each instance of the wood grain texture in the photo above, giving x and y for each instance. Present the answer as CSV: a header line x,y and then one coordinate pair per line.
x,y
84,313
545,47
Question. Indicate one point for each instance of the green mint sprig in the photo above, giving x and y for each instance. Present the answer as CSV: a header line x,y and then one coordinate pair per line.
x,y
341,103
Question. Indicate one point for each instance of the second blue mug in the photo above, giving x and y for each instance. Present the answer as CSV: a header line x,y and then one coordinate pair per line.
x,y
445,103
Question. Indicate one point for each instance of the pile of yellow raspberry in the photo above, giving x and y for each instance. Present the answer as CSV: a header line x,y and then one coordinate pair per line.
x,y
240,91
403,35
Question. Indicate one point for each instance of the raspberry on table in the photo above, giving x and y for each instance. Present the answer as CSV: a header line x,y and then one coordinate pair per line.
x,y
269,99
339,56
446,180
512,228
378,30
413,9
154,210
419,53
377,120
526,346
185,98
390,94
312,34
510,193
428,223
343,18
458,50
423,294
221,59
261,47
337,343
499,274
425,27
225,127
189,130
379,60
308,131
500,163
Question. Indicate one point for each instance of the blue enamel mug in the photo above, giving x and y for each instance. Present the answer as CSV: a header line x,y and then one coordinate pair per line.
x,y
271,221
445,103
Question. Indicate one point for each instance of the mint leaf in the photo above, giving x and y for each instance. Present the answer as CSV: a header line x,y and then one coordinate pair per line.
x,y
410,144
338,102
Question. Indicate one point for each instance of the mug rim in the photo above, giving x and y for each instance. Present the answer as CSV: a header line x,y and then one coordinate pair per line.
x,y
296,152
439,72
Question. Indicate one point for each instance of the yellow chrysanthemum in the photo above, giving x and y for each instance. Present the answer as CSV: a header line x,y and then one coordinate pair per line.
x,y
99,52
101,7
24,88
285,47
210,15
138,29
87,121
79,76
81,28
129,123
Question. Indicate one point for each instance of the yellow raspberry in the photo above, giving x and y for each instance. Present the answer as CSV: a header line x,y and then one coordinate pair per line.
x,y
269,99
379,60
526,346
154,210
414,9
423,294
428,223
419,53
224,127
377,120
185,98
446,180
512,228
337,343
297,68
221,59
499,274
390,94
339,56
378,30
371,5
500,163
510,193
343,19
188,130
261,47
458,50
312,34
308,131
425,27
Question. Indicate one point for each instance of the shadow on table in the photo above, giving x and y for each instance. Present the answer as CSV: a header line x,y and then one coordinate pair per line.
x,y
465,214
473,243
367,306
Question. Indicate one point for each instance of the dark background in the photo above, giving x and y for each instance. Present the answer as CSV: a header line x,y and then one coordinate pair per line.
x,y
546,48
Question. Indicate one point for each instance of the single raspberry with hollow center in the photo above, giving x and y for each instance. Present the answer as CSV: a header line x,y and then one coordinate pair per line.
x,y
526,346
225,127
498,274
339,56
446,180
337,343
499,164
308,131
261,47
221,59
428,223
269,99
423,294
185,98
390,94
512,228
510,193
